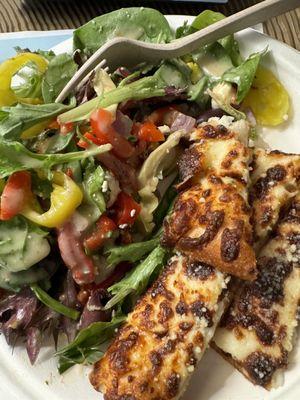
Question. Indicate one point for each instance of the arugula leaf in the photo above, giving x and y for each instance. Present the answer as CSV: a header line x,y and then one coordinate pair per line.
x,y
53,304
15,157
142,23
23,116
172,73
137,279
93,204
244,74
27,81
131,252
86,346
22,244
61,69
92,182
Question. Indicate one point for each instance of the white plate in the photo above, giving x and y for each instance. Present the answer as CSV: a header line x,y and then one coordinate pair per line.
x,y
214,379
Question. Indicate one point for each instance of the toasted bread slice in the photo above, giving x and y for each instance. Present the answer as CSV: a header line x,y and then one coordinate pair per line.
x,y
211,218
165,336
256,333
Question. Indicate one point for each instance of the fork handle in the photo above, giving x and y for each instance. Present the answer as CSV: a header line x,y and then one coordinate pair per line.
x,y
250,16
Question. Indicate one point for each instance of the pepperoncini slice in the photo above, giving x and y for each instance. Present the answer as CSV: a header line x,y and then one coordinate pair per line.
x,y
65,198
268,99
7,70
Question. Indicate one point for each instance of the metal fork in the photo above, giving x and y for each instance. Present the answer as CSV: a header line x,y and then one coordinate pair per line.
x,y
122,51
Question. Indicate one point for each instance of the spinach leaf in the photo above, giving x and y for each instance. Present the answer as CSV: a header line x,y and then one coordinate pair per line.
x,y
22,244
61,69
15,280
244,74
15,157
231,46
52,303
86,346
23,116
172,73
197,92
138,278
132,252
144,24
27,81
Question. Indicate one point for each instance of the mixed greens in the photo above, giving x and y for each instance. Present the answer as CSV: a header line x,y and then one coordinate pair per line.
x,y
86,185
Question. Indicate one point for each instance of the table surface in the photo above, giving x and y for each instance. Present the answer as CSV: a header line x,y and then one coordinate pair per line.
x,y
23,15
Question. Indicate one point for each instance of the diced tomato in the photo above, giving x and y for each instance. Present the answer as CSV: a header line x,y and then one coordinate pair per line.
x,y
101,122
16,194
127,209
66,128
92,138
104,227
150,133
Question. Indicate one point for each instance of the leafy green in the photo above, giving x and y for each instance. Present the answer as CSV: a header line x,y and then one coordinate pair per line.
x,y
15,157
40,186
172,73
27,81
144,24
132,252
52,303
23,116
209,17
22,244
86,348
93,204
61,69
48,54
138,278
197,92
15,280
47,142
244,74
92,181
165,204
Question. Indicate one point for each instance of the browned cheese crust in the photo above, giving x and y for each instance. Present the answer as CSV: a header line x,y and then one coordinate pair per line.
x,y
275,179
211,217
165,336
256,333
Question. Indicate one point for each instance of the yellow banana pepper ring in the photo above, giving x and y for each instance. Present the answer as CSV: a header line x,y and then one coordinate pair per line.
x,y
65,198
7,70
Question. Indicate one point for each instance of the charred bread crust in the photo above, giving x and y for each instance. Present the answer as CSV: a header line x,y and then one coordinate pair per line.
x,y
165,336
256,333
275,180
211,223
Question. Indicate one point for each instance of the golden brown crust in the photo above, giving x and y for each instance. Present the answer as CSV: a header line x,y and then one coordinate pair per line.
x,y
165,336
211,217
275,179
256,332
210,223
